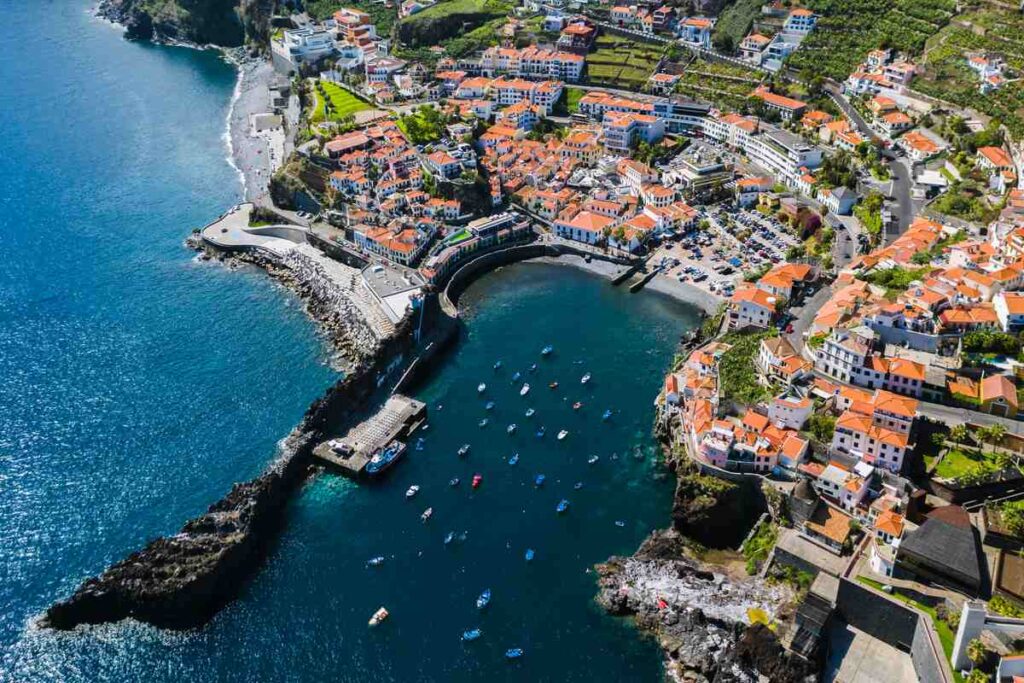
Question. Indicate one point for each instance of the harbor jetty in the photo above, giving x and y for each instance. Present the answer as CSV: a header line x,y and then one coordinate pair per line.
x,y
399,417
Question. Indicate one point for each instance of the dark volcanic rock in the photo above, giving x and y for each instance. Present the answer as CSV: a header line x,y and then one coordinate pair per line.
x,y
227,23
715,512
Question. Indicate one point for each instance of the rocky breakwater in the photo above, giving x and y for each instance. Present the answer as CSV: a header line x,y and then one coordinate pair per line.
x,y
701,617
181,581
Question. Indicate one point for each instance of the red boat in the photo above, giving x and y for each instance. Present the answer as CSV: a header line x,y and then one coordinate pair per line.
x,y
476,480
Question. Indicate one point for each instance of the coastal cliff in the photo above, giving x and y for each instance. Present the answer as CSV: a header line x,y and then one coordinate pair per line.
x,y
699,616
226,23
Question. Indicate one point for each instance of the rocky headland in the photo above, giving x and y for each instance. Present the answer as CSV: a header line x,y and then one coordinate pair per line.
x,y
225,23
699,616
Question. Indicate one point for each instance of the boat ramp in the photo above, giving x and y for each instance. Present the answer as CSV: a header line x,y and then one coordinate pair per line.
x,y
399,417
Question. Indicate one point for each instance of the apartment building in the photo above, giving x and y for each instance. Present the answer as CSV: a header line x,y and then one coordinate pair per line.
x,y
876,429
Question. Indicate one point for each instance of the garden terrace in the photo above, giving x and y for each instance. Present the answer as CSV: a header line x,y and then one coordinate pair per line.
x,y
383,17
726,85
449,19
342,102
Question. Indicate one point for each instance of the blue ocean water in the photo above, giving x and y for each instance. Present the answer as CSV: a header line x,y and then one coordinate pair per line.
x,y
137,385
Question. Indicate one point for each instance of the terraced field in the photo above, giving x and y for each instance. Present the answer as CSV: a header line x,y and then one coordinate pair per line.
x,y
724,85
947,76
622,63
849,29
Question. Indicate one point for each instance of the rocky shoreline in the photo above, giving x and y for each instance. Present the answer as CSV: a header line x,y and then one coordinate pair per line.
x,y
699,616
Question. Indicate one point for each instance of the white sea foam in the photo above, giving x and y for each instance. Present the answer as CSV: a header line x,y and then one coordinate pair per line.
x,y
236,95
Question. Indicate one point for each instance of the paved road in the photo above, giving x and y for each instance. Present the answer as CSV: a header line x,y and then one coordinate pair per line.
x,y
805,316
902,179
951,415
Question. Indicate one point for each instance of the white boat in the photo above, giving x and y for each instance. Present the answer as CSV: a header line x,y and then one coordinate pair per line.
x,y
530,412
585,378
562,434
427,514
412,491
525,390
511,428
481,388
378,616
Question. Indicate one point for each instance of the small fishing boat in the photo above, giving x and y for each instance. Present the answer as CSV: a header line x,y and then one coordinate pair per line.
x,y
562,506
562,434
471,635
585,378
481,388
378,616
592,459
529,555
538,481
553,385
546,351
619,523
533,368
514,459
419,443
482,423
540,432
497,366
477,480
516,376
511,429
375,561
484,599
530,412
514,653
462,536
427,514
463,450
385,458
453,482
449,538
489,405
577,405
606,415
577,486
412,491
525,390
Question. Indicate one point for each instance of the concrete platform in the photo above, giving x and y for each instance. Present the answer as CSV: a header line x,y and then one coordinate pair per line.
x,y
856,657
396,420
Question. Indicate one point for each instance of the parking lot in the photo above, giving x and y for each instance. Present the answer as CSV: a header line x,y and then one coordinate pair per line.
x,y
715,260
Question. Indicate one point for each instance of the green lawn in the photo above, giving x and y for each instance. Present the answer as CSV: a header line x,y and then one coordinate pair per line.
x,y
572,98
957,462
344,102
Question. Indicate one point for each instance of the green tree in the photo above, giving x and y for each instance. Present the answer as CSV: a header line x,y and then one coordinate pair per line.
x,y
976,652
958,433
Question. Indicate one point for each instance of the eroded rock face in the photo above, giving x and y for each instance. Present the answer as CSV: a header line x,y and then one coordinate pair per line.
x,y
227,23
699,616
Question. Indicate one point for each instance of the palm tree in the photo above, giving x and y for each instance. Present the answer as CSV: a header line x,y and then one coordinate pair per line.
x,y
958,433
976,652
995,434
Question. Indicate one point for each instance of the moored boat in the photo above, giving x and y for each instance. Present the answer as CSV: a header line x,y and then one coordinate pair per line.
x,y
375,561
481,388
553,385
427,514
529,555
511,429
514,459
562,434
606,415
525,390
562,506
484,599
471,635
540,432
412,491
463,450
530,412
592,459
497,366
385,458
477,480
619,523
516,376
533,368
538,480
378,616
546,351
449,537
489,405
585,378
482,423
577,405
514,653
453,482
577,486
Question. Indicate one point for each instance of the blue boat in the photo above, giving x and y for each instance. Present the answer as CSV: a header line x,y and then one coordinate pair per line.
x,y
471,635
484,599
540,432
514,459
453,482
606,415
497,366
482,423
538,480
489,405
449,538
529,554
514,653
578,485
375,561
563,505
533,368
546,351
515,377
419,444
385,458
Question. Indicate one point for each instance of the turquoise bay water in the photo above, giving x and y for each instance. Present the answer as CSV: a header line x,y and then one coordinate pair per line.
x,y
137,385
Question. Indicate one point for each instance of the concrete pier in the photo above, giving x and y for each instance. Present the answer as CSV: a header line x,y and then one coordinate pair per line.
x,y
399,417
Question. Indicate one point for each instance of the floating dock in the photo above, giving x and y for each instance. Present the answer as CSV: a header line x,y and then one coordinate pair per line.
x,y
395,421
